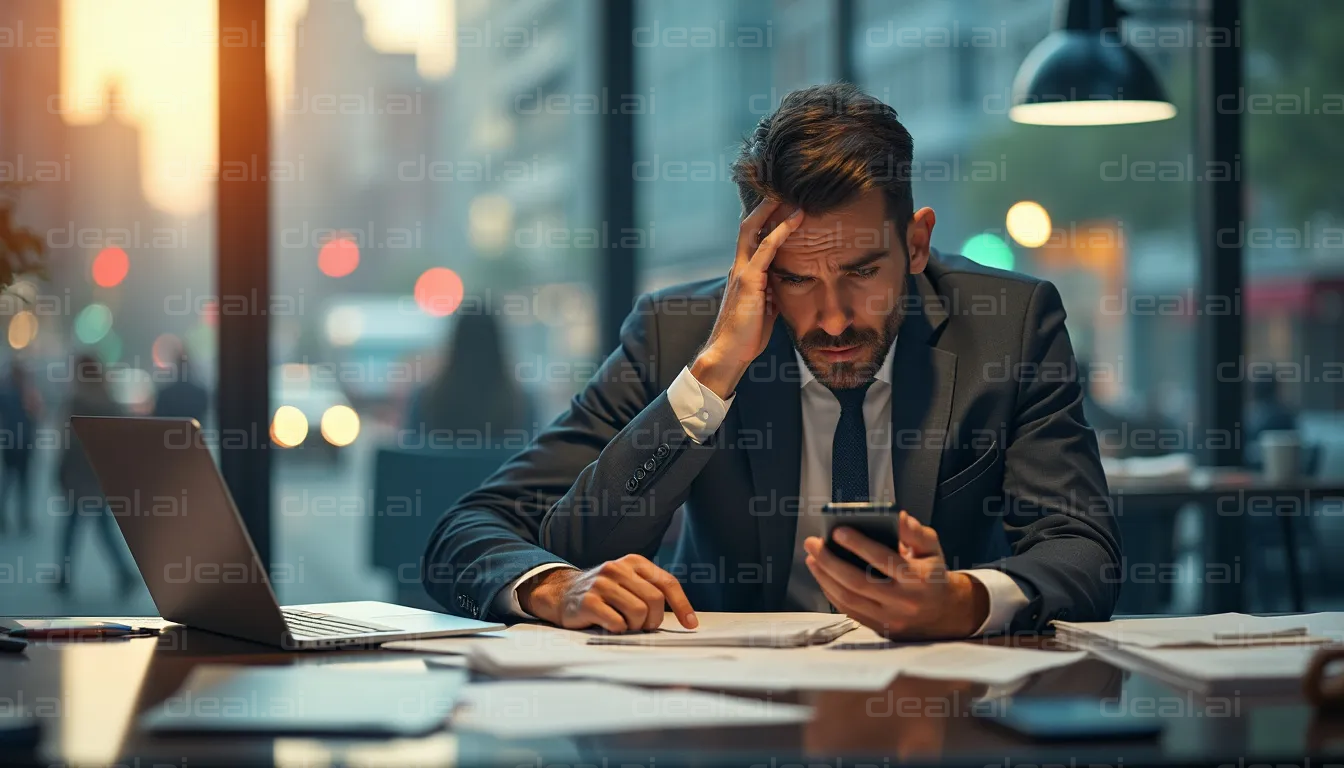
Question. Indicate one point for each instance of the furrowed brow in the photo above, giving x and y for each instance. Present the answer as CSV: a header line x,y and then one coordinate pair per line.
x,y
864,261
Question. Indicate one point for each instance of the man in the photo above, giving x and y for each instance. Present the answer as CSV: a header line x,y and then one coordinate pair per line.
x,y
841,359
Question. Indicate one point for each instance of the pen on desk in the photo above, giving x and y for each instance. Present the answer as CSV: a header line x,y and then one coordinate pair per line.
x,y
81,633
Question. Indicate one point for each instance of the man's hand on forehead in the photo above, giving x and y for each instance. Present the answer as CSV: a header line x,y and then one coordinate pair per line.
x,y
824,233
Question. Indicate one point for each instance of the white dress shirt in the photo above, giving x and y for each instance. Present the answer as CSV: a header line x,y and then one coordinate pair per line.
x,y
702,412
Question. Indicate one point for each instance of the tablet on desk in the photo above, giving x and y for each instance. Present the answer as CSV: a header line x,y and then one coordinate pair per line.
x,y
308,699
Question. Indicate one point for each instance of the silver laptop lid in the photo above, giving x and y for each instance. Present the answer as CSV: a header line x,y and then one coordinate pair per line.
x,y
181,525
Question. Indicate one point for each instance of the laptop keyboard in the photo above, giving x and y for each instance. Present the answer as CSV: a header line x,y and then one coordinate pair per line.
x,y
308,624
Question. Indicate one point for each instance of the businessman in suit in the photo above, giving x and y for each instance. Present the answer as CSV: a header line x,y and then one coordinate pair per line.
x,y
842,359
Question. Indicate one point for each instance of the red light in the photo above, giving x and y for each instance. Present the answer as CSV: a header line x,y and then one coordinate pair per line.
x,y
166,350
339,257
110,267
439,291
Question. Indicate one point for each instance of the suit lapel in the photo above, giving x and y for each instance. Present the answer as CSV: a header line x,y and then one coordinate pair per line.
x,y
921,402
769,402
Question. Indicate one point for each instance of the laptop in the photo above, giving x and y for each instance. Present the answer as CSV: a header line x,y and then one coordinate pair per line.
x,y
196,557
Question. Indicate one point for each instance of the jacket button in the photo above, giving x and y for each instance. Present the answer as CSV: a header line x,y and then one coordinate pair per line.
x,y
631,485
640,474
650,465
662,451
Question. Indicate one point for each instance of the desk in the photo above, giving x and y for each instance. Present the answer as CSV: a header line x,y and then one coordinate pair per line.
x,y
1228,498
89,693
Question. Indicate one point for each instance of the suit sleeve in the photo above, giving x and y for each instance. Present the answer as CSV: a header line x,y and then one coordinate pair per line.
x,y
1057,511
601,481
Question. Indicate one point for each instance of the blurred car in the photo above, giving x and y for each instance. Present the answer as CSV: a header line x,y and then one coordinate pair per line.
x,y
311,412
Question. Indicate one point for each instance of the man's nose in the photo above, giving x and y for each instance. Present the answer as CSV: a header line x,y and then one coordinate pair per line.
x,y
834,317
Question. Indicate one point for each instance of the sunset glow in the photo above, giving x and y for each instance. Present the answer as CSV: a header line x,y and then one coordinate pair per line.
x,y
161,56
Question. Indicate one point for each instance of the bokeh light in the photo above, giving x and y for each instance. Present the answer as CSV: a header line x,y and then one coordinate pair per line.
x,y
345,326
1029,224
111,347
93,323
340,425
110,267
439,291
339,256
289,427
166,350
989,250
22,329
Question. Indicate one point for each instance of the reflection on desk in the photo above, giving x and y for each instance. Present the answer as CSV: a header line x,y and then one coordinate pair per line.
x,y
88,695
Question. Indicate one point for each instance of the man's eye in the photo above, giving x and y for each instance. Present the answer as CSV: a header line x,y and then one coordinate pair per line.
x,y
793,279
865,273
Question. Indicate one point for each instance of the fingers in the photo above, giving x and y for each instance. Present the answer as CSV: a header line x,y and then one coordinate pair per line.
x,y
842,594
766,252
670,590
752,224
823,561
635,590
632,607
921,539
589,610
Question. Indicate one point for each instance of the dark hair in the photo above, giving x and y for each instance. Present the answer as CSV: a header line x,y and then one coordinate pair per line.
x,y
475,387
824,146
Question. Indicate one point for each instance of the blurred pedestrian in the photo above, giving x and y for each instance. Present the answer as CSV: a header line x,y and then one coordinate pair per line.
x,y
88,397
20,412
183,397
475,388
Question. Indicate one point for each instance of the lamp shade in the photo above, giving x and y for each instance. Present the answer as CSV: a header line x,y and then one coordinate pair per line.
x,y
1084,74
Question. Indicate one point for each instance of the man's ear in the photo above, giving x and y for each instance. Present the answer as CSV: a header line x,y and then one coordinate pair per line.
x,y
918,236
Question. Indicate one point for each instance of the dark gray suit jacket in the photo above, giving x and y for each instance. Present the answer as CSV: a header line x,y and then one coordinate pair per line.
x,y
990,447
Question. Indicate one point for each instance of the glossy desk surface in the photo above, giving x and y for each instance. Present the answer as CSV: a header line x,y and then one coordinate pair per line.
x,y
88,694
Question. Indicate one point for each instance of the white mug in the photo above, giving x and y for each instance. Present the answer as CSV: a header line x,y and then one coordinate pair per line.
x,y
1281,450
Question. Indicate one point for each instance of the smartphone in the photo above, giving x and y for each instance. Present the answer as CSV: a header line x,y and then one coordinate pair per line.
x,y
1071,718
879,522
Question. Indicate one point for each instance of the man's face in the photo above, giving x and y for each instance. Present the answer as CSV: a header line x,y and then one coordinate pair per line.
x,y
838,282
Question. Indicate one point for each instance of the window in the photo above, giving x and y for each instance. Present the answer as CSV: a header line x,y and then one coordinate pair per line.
x,y
443,169
107,156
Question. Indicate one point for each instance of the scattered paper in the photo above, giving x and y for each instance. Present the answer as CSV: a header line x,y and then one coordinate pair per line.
x,y
1217,630
535,709
765,670
1256,670
988,664
749,630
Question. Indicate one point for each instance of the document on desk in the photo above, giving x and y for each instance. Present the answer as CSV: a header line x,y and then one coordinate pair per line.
x,y
739,630
1251,670
834,668
1221,630
542,708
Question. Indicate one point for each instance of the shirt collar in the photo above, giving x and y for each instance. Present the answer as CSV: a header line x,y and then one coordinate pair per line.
x,y
883,373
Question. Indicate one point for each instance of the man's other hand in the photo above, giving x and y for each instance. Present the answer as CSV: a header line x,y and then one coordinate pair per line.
x,y
747,315
619,596
918,599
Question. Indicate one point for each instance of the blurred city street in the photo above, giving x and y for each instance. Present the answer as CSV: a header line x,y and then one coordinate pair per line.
x,y
327,552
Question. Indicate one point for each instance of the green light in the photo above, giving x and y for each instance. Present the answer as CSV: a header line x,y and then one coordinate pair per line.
x,y
989,250
110,348
93,323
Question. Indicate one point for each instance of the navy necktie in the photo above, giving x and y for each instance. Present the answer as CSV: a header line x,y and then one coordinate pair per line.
x,y
849,453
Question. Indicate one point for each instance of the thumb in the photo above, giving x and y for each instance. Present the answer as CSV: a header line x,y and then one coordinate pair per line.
x,y
920,539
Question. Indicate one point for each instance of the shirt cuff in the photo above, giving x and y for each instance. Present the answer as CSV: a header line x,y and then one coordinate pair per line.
x,y
1006,598
699,410
506,602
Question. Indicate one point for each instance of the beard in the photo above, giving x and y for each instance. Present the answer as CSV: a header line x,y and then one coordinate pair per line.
x,y
874,346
